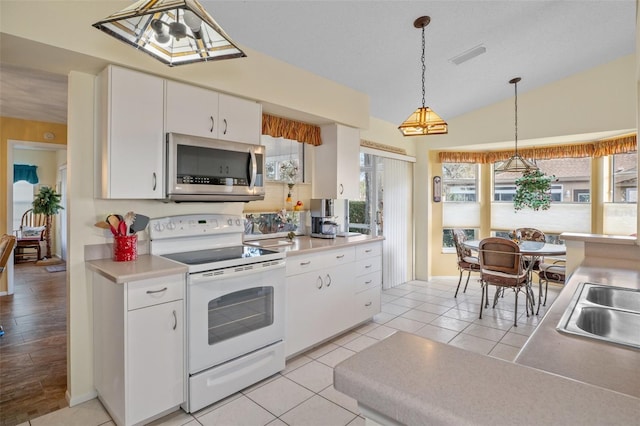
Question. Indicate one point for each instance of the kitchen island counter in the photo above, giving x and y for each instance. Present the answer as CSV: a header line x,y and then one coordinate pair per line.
x,y
556,378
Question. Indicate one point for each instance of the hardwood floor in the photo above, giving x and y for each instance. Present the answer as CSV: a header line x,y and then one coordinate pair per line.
x,y
33,351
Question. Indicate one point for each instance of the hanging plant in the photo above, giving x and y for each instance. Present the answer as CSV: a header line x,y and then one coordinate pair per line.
x,y
533,190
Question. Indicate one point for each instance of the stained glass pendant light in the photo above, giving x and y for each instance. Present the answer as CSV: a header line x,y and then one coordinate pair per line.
x,y
424,121
516,163
175,32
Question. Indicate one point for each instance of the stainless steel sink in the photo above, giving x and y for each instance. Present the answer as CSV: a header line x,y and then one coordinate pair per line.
x,y
607,313
615,297
611,324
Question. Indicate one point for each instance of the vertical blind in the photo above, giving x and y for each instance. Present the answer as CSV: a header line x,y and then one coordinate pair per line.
x,y
397,257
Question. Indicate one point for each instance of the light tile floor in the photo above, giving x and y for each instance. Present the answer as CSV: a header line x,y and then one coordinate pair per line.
x,y
303,393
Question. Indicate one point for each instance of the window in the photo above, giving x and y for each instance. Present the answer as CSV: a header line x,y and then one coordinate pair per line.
x,y
624,177
282,154
22,200
447,237
460,182
572,183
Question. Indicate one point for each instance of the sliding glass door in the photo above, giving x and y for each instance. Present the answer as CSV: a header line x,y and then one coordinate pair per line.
x,y
385,209
366,214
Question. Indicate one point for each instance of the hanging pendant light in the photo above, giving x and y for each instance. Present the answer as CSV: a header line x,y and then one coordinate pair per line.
x,y
516,163
424,121
175,32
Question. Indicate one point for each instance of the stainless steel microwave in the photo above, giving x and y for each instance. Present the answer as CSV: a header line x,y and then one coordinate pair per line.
x,y
202,169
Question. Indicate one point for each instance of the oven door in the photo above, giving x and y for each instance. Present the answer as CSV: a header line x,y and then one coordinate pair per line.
x,y
234,311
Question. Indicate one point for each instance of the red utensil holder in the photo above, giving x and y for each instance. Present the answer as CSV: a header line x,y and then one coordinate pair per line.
x,y
125,247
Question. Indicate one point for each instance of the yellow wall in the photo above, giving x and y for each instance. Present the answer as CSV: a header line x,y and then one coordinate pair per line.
x,y
28,131
565,107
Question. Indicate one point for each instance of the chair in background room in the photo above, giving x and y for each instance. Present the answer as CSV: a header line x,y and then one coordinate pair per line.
x,y
466,260
31,236
7,244
554,272
501,265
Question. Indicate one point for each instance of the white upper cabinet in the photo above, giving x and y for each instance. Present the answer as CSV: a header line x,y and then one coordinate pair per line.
x,y
191,110
196,111
337,163
240,120
129,151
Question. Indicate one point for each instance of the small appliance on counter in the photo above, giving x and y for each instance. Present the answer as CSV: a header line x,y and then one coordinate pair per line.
x,y
323,223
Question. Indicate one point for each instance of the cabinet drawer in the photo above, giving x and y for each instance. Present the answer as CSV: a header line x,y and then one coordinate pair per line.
x,y
316,262
154,291
365,282
368,250
367,304
368,265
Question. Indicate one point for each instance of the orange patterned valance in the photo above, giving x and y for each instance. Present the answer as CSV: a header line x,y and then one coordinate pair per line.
x,y
617,145
279,127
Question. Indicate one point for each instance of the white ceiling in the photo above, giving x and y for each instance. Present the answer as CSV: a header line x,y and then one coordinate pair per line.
x,y
372,46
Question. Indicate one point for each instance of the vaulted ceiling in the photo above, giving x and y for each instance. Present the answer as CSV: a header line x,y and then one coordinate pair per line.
x,y
372,46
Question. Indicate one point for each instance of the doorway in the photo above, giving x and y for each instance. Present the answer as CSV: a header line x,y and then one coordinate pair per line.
x,y
51,160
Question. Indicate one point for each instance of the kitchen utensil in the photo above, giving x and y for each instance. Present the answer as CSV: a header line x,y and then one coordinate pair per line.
x,y
103,225
114,222
122,229
128,220
140,223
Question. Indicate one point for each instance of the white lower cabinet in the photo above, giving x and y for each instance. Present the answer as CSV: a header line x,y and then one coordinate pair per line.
x,y
139,347
326,295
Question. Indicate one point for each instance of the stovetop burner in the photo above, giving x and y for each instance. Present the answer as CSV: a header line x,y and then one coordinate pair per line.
x,y
200,257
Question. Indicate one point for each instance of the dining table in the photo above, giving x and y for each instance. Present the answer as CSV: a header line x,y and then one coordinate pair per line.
x,y
533,251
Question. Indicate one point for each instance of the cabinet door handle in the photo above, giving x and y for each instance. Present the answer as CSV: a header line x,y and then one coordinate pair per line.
x,y
341,189
319,282
155,180
340,256
328,280
367,266
305,263
175,319
368,282
368,251
156,291
225,126
212,123
367,304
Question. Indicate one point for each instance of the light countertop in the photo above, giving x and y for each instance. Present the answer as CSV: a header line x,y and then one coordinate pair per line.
x,y
149,266
556,378
587,360
144,267
305,244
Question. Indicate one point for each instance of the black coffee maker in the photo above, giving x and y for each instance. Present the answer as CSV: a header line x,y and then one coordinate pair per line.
x,y
323,220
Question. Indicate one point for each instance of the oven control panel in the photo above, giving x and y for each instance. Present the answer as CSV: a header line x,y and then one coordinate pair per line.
x,y
194,225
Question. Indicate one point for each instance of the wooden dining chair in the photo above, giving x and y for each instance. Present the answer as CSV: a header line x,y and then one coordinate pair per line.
x,y
501,265
466,260
31,235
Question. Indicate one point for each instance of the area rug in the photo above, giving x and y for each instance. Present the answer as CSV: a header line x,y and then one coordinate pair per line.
x,y
56,268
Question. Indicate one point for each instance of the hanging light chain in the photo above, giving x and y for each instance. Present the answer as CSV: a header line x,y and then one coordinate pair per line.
x,y
516,119
424,68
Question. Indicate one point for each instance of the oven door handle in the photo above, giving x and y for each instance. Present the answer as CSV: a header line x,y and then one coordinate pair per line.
x,y
202,277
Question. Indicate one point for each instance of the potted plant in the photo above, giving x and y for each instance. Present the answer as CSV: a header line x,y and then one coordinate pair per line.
x,y
47,202
533,190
